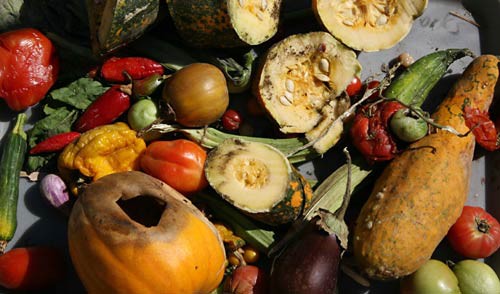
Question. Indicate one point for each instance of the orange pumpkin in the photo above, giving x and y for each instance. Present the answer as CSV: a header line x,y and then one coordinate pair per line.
x,y
131,233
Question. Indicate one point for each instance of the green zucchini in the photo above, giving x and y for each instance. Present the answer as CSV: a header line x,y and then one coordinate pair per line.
x,y
12,160
258,179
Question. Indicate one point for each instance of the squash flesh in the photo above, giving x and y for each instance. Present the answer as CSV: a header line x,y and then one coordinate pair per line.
x,y
368,25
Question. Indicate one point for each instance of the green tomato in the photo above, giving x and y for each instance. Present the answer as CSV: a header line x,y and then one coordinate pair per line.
x,y
476,277
142,113
432,277
408,128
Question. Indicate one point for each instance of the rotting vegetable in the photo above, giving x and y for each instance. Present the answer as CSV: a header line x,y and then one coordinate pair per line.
x,y
394,236
129,213
105,110
302,92
31,268
179,163
29,66
196,94
13,154
377,123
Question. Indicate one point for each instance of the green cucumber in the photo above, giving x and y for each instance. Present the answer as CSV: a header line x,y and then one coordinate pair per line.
x,y
414,84
14,152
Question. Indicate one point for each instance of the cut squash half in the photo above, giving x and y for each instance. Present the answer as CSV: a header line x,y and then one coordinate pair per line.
x,y
259,180
368,25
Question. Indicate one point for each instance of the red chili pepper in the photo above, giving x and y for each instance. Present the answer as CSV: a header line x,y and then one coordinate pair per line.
x,y
116,69
370,131
55,143
482,127
29,67
106,109
31,268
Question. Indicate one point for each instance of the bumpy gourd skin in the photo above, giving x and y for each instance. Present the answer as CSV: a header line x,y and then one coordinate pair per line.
x,y
101,151
421,193
112,253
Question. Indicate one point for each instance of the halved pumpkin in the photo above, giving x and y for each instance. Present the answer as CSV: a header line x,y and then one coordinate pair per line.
x,y
368,25
301,80
259,180
227,23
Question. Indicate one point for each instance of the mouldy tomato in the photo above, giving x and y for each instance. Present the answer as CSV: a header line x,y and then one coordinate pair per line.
x,y
29,67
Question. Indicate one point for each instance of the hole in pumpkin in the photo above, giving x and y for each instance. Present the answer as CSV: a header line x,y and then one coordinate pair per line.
x,y
146,210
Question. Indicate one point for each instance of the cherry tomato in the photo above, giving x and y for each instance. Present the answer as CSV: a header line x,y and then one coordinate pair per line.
x,y
476,233
231,120
250,254
179,163
372,85
354,87
29,67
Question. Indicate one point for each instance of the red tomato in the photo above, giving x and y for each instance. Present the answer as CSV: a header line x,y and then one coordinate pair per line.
x,y
247,279
179,163
31,268
28,67
231,120
476,233
354,87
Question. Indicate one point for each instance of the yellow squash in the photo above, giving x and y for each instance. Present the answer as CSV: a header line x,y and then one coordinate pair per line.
x,y
421,193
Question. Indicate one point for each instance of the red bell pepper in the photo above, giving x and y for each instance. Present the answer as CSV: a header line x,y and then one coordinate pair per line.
x,y
482,127
29,67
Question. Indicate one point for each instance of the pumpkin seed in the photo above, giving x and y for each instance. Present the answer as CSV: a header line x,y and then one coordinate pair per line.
x,y
263,4
285,101
322,77
348,22
290,86
324,65
382,20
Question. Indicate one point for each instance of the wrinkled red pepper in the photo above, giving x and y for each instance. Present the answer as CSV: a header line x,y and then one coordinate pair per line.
x,y
29,67
106,109
484,130
54,143
370,132
115,69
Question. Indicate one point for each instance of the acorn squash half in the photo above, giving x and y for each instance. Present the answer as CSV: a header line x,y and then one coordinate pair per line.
x,y
226,23
368,25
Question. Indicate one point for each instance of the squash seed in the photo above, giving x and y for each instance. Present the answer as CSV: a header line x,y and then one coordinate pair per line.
x,y
290,86
382,20
285,101
241,2
324,65
322,77
260,15
263,4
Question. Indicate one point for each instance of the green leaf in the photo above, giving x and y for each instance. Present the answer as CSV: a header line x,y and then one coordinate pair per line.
x,y
80,93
